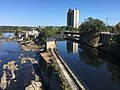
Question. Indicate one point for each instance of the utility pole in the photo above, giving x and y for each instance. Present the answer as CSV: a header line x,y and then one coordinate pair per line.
x,y
107,19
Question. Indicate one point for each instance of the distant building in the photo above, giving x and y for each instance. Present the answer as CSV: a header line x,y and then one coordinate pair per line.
x,y
25,34
31,33
73,18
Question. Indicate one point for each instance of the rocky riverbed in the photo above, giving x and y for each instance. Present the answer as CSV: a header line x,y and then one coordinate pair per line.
x,y
18,73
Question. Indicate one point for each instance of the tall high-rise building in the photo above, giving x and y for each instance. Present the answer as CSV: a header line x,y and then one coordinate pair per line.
x,y
73,18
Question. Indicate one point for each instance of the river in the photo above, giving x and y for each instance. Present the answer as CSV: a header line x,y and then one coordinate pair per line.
x,y
95,69
16,71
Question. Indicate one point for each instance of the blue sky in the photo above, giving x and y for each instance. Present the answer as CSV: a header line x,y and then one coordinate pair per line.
x,y
53,12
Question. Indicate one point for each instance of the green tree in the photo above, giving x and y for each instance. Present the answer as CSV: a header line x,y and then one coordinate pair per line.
x,y
70,28
49,31
91,24
117,28
0,33
90,31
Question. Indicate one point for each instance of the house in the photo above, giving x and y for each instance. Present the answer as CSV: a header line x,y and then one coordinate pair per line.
x,y
33,33
25,34
50,43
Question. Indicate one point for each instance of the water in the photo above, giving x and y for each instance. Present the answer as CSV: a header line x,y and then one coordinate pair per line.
x,y
95,69
8,35
10,51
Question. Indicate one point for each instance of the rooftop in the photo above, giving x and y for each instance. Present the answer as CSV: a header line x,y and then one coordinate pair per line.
x,y
50,39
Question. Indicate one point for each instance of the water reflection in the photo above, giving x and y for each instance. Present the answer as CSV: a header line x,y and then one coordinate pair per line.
x,y
71,47
115,72
92,66
8,35
90,56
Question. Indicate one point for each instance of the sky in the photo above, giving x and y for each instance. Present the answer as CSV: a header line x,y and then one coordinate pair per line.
x,y
54,12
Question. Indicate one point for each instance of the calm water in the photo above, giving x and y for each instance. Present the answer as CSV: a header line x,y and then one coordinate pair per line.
x,y
96,70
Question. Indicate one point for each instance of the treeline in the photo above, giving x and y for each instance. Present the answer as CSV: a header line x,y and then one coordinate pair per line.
x,y
13,28
96,25
91,24
91,29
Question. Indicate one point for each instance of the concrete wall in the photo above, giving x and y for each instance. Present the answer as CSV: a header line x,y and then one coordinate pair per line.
x,y
50,75
104,38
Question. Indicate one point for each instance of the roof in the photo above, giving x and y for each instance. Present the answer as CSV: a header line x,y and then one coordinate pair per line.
x,y
50,39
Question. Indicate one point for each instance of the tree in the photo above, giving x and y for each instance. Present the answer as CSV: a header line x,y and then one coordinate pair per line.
x,y
70,28
92,24
63,28
49,31
117,28
0,33
90,31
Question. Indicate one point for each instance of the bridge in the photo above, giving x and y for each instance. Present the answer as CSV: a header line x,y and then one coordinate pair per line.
x,y
72,32
72,35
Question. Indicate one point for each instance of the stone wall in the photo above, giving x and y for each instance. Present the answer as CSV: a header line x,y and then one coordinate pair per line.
x,y
104,38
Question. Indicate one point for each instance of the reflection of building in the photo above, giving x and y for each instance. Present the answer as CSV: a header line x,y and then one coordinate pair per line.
x,y
73,18
72,47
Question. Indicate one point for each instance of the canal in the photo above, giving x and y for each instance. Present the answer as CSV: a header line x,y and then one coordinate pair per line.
x,y
97,70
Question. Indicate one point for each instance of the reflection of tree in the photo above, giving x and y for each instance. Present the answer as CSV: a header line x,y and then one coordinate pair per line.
x,y
90,56
115,71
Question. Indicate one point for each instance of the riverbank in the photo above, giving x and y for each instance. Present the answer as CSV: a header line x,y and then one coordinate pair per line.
x,y
104,49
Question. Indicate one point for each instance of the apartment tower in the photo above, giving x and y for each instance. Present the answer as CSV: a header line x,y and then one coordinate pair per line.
x,y
73,18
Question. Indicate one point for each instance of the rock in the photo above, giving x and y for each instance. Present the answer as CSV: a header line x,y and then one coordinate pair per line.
x,y
19,56
3,83
12,67
8,82
34,86
37,78
15,80
13,75
4,66
29,88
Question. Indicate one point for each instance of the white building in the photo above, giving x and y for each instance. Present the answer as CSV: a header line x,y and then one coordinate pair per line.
x,y
32,33
73,18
